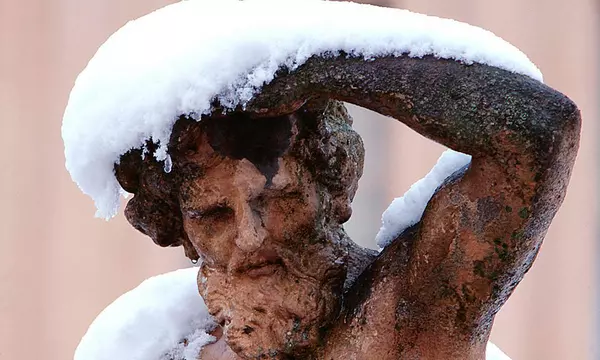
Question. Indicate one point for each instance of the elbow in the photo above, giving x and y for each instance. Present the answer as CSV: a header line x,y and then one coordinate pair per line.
x,y
552,132
567,120
555,158
563,135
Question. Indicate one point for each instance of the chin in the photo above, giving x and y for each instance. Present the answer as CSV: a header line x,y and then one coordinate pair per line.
x,y
274,316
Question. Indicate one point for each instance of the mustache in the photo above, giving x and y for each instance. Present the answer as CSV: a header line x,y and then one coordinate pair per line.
x,y
270,294
315,263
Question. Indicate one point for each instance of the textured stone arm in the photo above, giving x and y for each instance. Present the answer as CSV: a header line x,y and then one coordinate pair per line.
x,y
481,231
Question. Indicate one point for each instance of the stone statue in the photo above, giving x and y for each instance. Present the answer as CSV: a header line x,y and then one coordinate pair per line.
x,y
260,195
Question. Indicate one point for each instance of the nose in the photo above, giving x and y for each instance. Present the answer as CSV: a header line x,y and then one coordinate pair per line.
x,y
251,233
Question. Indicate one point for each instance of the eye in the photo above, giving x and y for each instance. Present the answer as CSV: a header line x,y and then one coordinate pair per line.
x,y
295,194
216,212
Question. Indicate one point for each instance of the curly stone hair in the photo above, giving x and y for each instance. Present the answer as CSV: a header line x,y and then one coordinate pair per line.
x,y
324,141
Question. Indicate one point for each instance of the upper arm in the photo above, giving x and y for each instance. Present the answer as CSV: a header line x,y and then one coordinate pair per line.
x,y
482,229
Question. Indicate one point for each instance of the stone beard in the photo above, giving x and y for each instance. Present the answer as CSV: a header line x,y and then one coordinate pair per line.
x,y
281,311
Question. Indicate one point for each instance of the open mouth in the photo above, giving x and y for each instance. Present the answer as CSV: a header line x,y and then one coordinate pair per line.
x,y
266,263
263,269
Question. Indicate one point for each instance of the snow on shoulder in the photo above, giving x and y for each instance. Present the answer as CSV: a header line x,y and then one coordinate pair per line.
x,y
407,210
492,352
164,318
177,60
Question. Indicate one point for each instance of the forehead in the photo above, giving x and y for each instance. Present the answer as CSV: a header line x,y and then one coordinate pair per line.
x,y
220,180
230,180
262,142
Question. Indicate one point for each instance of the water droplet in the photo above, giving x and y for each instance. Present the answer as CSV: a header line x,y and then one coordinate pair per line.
x,y
194,261
168,164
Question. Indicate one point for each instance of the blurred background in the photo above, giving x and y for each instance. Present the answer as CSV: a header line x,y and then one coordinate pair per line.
x,y
59,266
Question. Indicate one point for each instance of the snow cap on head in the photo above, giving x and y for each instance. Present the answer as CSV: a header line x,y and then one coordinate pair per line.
x,y
177,60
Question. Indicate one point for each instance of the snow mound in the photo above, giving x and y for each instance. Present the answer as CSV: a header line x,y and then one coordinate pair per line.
x,y
164,318
407,210
178,59
492,352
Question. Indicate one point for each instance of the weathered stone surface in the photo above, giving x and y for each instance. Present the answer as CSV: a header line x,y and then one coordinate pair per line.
x,y
261,196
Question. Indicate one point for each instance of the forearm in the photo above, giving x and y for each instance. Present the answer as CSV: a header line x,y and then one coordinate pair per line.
x,y
476,109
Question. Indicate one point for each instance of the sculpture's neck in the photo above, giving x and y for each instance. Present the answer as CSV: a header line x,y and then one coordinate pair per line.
x,y
358,259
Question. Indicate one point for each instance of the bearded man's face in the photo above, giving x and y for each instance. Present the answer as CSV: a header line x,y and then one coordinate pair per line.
x,y
272,271
241,197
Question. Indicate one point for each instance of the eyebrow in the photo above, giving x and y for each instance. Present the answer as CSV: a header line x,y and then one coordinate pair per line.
x,y
215,209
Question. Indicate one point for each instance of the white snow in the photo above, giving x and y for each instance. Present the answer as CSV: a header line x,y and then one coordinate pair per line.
x,y
150,322
176,60
407,210
492,352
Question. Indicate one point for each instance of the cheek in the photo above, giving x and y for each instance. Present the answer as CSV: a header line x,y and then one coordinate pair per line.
x,y
289,218
211,239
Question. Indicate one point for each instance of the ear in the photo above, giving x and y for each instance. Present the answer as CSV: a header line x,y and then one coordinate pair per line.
x,y
155,218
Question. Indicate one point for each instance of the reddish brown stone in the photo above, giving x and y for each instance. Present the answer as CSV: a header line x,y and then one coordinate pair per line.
x,y
261,196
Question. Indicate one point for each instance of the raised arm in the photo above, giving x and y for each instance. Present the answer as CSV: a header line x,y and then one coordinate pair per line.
x,y
482,230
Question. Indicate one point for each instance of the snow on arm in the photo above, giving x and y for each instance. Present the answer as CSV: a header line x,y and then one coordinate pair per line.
x,y
177,60
151,322
408,209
